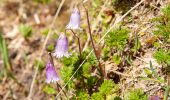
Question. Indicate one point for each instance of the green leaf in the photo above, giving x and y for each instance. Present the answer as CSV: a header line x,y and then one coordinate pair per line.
x,y
137,45
117,59
49,90
156,74
4,52
25,30
86,69
50,47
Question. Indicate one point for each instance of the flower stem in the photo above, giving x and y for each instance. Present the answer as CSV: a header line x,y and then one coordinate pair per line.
x,y
95,51
80,51
51,58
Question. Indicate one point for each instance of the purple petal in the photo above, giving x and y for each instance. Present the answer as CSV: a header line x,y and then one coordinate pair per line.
x,y
61,49
74,22
154,97
51,75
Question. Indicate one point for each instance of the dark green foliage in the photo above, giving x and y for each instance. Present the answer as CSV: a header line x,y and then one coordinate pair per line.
x,y
91,81
136,94
117,38
25,30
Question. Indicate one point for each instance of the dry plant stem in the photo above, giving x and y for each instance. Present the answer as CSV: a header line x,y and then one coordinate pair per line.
x,y
51,58
59,87
99,43
91,38
43,49
80,51
96,23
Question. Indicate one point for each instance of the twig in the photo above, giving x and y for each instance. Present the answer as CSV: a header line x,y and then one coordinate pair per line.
x,y
99,43
43,49
119,73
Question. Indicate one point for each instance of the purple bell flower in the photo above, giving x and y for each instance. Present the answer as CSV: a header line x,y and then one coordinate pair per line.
x,y
61,48
154,97
74,22
51,75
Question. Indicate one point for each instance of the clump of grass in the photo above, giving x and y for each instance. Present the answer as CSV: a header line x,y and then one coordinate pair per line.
x,y
162,56
163,26
4,54
25,30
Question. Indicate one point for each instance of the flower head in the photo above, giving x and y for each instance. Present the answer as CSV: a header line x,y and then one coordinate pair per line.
x,y
74,22
61,48
51,75
154,97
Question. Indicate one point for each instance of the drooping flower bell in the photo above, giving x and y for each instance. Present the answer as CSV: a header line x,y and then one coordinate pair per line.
x,y
74,22
61,48
154,97
51,75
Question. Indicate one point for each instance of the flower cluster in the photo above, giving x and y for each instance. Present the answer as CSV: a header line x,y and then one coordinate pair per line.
x,y
61,48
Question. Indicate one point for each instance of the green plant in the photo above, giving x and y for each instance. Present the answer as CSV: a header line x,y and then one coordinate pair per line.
x,y
136,94
137,45
25,30
81,95
108,87
49,90
117,59
163,26
162,56
117,38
